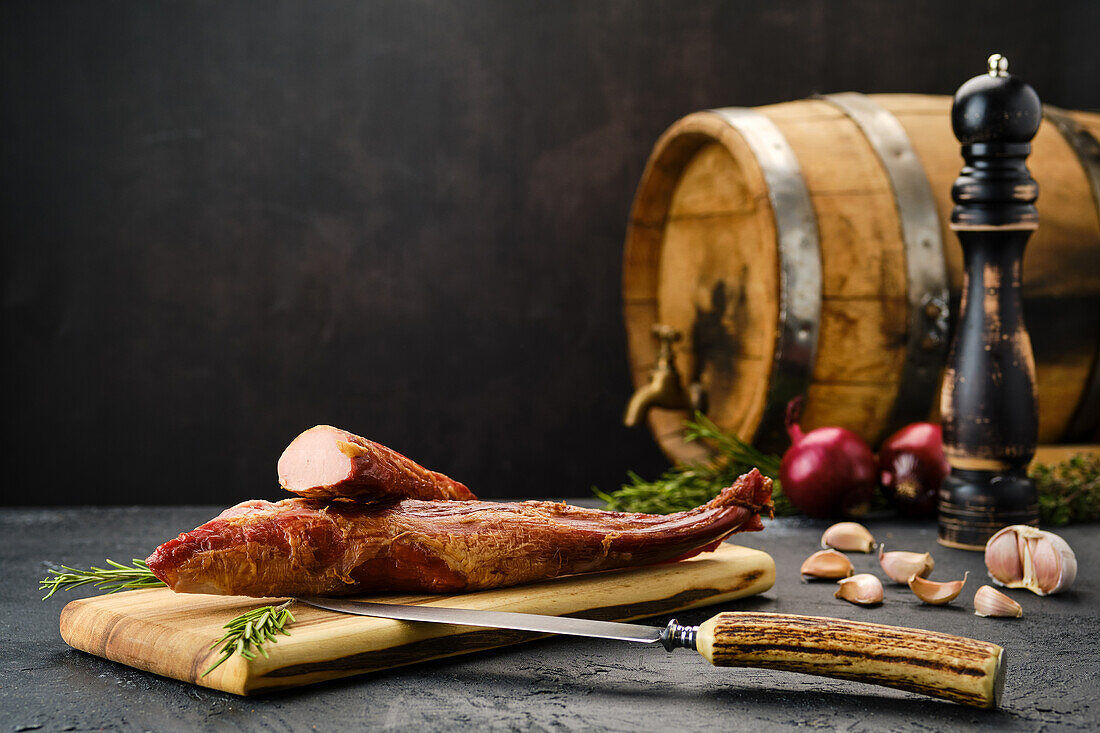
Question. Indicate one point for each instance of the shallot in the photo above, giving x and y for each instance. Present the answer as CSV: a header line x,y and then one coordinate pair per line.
x,y
912,467
826,472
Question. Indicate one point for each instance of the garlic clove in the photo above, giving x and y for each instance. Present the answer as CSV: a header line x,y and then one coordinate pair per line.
x,y
863,590
1003,557
1054,566
1046,570
826,564
936,594
989,601
1022,556
849,537
901,566
1069,563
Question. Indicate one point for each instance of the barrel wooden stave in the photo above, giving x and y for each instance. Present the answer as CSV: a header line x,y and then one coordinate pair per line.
x,y
863,330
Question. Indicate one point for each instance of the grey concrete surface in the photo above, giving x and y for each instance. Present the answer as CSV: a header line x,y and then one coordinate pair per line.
x,y
554,684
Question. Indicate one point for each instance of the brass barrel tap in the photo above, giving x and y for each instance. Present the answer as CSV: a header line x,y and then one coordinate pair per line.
x,y
664,388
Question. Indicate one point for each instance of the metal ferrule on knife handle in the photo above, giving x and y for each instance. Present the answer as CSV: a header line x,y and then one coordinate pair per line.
x,y
955,668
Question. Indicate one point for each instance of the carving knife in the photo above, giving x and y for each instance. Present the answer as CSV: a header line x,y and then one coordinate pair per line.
x,y
954,668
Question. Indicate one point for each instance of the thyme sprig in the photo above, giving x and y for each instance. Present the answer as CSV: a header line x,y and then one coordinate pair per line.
x,y
687,486
1068,491
251,630
112,579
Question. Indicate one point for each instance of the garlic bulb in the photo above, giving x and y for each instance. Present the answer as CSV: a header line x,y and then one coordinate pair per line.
x,y
936,594
863,589
827,564
848,536
1021,556
989,601
901,566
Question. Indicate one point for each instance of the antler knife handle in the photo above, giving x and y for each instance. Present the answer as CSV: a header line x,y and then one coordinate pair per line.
x,y
954,668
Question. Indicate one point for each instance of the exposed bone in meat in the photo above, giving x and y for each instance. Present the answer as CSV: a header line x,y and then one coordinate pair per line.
x,y
302,547
327,463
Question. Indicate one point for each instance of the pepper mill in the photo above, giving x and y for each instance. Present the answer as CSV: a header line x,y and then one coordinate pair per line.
x,y
988,403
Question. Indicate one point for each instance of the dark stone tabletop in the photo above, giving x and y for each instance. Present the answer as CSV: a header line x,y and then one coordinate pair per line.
x,y
1053,655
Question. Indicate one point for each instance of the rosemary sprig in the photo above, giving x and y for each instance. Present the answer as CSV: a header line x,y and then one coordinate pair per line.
x,y
247,632
115,578
684,487
730,446
252,630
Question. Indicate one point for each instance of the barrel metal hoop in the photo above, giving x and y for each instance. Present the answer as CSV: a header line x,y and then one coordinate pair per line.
x,y
1086,419
799,266
925,265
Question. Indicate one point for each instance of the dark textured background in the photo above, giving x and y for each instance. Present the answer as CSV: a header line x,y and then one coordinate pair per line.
x,y
225,222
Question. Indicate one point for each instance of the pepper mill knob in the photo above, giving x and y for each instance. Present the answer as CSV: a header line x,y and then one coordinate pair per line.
x,y
988,402
995,116
996,107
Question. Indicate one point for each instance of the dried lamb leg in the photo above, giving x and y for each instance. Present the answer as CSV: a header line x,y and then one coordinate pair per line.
x,y
328,463
303,547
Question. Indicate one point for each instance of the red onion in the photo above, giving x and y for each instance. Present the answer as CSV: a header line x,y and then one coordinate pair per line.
x,y
912,468
828,471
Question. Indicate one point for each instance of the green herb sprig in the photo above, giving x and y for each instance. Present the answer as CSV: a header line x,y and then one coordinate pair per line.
x,y
252,630
685,487
1068,491
111,579
245,635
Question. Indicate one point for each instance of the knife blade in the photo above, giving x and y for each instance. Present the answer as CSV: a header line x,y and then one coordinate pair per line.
x,y
967,671
494,619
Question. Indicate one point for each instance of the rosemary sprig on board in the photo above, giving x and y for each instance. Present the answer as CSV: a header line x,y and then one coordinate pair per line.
x,y
685,487
112,579
252,630
247,632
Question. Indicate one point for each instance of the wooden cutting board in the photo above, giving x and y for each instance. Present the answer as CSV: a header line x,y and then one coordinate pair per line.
x,y
171,634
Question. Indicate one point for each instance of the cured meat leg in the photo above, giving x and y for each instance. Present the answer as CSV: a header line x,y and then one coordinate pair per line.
x,y
301,547
327,463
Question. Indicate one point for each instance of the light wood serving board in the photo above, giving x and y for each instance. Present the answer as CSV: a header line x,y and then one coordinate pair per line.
x,y
170,634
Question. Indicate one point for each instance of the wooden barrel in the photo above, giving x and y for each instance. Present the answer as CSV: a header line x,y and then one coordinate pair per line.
x,y
804,248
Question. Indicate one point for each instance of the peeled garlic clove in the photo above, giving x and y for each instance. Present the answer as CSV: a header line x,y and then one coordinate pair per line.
x,y
901,566
848,536
863,589
1021,556
936,594
827,564
989,601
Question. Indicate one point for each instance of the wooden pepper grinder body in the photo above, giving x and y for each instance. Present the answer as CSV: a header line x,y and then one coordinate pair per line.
x,y
988,402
